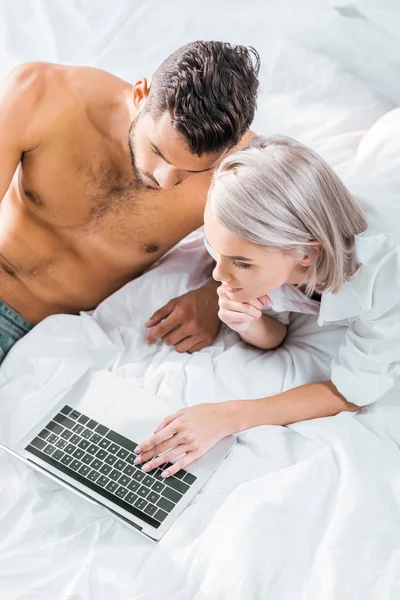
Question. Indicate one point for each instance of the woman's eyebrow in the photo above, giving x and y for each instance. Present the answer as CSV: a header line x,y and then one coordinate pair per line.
x,y
242,258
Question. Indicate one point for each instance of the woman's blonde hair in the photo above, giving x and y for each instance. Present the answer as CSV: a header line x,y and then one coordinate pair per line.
x,y
281,194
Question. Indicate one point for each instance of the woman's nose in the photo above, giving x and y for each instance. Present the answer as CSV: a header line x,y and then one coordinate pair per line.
x,y
220,274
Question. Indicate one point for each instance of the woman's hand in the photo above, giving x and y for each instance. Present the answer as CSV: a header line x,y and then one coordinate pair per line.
x,y
239,316
191,431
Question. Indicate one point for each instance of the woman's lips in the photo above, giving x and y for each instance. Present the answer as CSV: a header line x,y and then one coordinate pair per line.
x,y
231,289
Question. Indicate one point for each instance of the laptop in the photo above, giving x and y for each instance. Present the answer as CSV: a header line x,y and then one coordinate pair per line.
x,y
87,441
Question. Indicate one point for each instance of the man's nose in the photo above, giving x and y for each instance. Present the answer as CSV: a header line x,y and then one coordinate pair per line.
x,y
167,176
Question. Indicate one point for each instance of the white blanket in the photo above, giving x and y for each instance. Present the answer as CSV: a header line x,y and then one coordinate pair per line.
x,y
307,512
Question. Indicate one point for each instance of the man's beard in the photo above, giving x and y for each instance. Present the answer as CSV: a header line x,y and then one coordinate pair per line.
x,y
135,169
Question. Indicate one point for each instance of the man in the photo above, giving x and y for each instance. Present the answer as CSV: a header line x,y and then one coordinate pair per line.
x,y
76,223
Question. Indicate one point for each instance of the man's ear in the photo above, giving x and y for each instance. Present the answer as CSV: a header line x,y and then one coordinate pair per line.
x,y
140,92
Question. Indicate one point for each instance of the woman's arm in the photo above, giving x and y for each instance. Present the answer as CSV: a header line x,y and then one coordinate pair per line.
x,y
305,402
266,333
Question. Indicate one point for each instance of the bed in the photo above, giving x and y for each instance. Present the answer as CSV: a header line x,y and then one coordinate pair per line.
x,y
305,512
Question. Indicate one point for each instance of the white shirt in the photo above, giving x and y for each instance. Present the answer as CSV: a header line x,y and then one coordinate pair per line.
x,y
367,365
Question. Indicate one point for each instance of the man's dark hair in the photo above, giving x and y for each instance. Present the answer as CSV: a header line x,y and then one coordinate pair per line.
x,y
210,91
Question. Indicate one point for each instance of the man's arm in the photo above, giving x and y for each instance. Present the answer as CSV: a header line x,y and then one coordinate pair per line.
x,y
20,95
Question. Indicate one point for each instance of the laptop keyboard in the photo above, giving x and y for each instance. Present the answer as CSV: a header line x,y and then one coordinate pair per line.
x,y
102,460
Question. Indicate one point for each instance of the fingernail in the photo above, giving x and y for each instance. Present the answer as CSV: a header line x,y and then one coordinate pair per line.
x,y
137,450
147,341
137,461
146,468
165,474
147,324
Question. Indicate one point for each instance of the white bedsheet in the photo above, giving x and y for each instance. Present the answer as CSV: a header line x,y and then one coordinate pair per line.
x,y
307,512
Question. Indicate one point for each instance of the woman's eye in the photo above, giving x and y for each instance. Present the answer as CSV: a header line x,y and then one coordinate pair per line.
x,y
241,265
156,152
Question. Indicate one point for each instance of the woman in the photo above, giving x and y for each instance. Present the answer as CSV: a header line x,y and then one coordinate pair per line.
x,y
287,237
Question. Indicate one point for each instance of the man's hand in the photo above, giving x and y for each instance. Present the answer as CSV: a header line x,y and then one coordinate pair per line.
x,y
189,322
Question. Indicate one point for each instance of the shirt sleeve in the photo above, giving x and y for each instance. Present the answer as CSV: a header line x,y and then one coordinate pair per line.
x,y
367,365
283,317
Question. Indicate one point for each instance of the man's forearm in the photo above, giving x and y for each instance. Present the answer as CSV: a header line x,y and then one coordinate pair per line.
x,y
309,401
266,333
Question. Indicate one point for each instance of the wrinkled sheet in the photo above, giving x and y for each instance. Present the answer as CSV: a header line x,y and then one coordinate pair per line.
x,y
306,512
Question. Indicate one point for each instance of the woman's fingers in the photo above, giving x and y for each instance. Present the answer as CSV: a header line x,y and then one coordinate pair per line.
x,y
164,458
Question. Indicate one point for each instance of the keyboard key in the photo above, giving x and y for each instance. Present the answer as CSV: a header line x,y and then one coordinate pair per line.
x,y
75,439
60,443
64,421
148,481
101,454
131,498
66,459
84,470
111,486
180,474
93,475
87,458
122,441
38,443
75,414
44,434
160,515
171,494
114,475
83,419
120,465
102,480
139,476
86,433
57,455
91,424
66,410
110,459
104,443
157,475
96,464
95,438
66,434
176,484
113,448
83,444
131,458
129,470
78,453
143,491
121,492
101,430
140,503
77,428
69,448
153,497
123,453
133,486
124,480
75,465
157,487
52,439
150,509
165,504
189,478
105,469
54,427
49,449
92,449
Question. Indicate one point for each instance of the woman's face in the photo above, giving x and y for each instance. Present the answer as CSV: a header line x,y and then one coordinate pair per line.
x,y
248,270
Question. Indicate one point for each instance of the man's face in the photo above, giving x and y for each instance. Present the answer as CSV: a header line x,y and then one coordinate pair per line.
x,y
160,157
